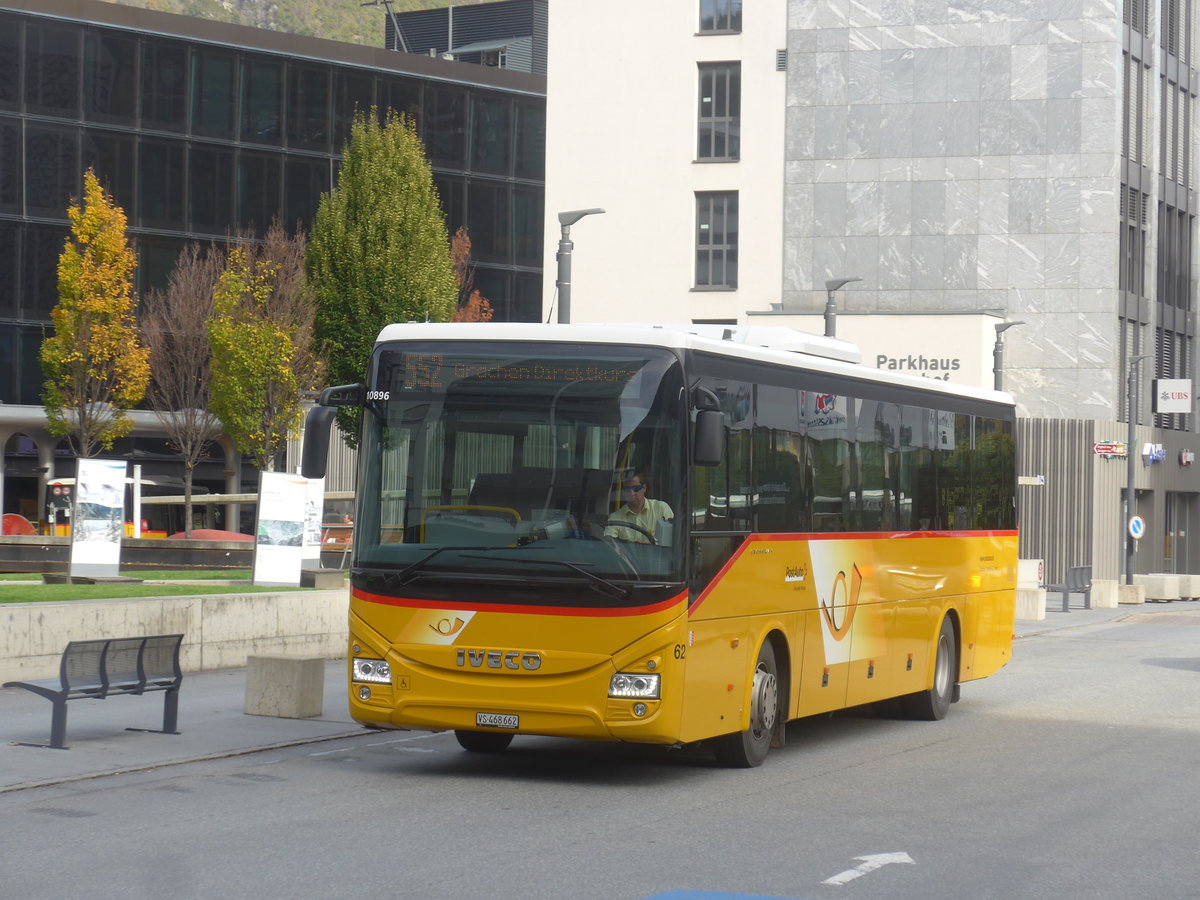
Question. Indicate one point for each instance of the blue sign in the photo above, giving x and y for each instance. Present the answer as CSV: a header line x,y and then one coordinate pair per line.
x,y
1137,528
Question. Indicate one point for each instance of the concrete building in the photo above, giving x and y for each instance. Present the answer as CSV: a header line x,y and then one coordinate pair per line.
x,y
973,163
198,128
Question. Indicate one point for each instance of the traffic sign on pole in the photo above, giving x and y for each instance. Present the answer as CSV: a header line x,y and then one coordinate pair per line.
x,y
1137,528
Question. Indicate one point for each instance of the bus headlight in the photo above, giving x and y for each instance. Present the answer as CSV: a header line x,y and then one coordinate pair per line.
x,y
376,671
634,685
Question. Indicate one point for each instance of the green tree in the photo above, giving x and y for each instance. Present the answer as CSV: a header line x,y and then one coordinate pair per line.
x,y
379,251
94,365
260,334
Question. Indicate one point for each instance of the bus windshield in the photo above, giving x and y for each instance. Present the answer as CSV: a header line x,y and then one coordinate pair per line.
x,y
546,465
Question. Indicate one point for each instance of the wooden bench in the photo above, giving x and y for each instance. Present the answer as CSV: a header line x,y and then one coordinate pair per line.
x,y
105,668
1078,581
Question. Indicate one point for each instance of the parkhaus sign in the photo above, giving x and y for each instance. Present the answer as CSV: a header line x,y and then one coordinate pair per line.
x,y
954,348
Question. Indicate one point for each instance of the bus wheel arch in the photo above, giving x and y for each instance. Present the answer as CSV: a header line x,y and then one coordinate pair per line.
x,y
769,682
933,703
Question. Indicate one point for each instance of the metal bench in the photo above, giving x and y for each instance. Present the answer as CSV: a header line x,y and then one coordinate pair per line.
x,y
1078,581
94,670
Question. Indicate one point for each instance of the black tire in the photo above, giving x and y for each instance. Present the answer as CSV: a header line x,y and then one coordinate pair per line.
x,y
933,704
747,749
484,741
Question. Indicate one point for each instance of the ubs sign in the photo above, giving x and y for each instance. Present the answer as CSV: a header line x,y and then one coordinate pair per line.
x,y
1172,395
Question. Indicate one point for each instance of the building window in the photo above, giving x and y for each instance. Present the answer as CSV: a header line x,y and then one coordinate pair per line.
x,y
491,146
52,70
308,107
716,240
262,100
214,93
110,77
718,133
164,85
721,16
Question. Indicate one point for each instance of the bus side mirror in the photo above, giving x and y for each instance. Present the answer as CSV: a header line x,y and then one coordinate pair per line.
x,y
314,457
708,438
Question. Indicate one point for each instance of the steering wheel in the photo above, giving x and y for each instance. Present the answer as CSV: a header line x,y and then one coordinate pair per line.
x,y
632,527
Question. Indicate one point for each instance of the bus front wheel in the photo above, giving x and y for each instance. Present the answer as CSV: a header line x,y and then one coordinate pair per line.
x,y
484,741
748,748
933,704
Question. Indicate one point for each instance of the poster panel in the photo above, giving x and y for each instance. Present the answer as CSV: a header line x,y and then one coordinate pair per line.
x,y
314,511
98,518
279,536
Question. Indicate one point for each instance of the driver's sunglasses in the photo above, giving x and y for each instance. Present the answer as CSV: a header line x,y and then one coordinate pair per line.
x,y
633,488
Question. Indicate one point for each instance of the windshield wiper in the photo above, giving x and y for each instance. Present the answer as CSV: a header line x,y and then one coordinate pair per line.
x,y
596,582
409,572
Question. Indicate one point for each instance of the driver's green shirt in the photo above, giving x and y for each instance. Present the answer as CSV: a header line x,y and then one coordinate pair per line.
x,y
653,512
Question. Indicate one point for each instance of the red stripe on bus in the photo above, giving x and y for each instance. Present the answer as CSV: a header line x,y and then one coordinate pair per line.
x,y
527,610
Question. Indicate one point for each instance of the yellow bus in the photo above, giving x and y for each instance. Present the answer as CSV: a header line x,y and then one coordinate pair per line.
x,y
666,535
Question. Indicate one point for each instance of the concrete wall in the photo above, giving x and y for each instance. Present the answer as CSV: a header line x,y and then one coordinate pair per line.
x,y
220,630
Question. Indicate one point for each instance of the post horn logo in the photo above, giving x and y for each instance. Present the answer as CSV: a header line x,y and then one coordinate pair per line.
x,y
446,628
837,620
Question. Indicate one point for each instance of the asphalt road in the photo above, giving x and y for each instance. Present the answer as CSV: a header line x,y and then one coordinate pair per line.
x,y
1072,773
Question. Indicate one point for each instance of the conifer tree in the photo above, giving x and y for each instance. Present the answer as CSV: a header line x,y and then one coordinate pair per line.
x,y
379,250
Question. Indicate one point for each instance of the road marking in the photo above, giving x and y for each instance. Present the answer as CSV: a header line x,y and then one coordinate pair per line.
x,y
869,864
423,736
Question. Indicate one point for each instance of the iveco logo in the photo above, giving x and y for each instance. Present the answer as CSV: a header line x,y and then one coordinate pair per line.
x,y
499,659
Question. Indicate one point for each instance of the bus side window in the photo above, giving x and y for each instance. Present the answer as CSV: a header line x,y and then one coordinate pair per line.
x,y
783,497
725,491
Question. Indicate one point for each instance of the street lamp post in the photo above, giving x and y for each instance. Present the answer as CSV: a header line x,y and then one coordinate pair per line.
x,y
565,246
830,307
998,354
1130,469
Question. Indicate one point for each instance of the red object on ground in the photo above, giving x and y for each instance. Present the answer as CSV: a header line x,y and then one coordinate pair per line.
x,y
15,524
212,534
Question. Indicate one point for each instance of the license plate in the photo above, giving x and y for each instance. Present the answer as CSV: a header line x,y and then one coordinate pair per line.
x,y
496,720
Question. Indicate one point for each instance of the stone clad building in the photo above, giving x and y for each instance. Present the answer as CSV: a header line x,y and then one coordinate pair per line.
x,y
974,163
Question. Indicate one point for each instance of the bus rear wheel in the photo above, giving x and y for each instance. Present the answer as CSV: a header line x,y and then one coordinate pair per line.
x,y
933,704
746,749
484,741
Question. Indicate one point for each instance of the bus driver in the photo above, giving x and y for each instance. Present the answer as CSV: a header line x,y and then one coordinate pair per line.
x,y
638,517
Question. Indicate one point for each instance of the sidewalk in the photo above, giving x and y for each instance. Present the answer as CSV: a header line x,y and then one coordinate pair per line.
x,y
211,723
1056,619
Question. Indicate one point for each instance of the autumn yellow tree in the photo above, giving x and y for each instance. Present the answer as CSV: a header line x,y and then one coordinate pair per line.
x,y
94,365
261,334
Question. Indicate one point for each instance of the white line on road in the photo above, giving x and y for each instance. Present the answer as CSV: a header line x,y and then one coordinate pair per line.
x,y
412,737
423,736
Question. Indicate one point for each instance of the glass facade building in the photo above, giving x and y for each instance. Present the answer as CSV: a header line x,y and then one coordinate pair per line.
x,y
199,128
